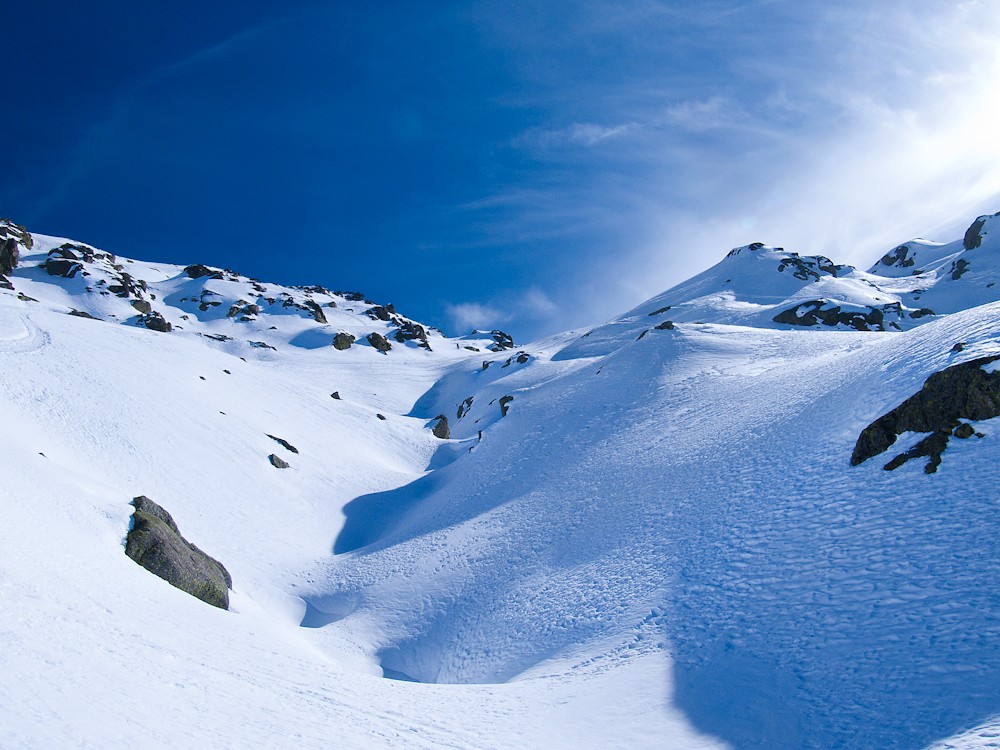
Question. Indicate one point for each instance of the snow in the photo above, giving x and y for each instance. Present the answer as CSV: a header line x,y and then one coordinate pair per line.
x,y
662,544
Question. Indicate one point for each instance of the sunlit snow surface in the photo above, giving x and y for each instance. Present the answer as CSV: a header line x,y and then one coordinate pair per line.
x,y
661,545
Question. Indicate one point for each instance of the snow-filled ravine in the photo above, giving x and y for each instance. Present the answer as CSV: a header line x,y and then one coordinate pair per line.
x,y
647,535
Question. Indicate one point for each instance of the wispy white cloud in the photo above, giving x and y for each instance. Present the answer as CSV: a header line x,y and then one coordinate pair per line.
x,y
467,316
577,134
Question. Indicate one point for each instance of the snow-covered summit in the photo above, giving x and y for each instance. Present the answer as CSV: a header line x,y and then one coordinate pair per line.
x,y
770,287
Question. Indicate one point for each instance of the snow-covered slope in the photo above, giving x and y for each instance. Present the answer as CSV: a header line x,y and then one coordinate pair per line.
x,y
648,535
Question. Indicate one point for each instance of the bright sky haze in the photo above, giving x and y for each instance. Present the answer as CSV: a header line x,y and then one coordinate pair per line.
x,y
532,166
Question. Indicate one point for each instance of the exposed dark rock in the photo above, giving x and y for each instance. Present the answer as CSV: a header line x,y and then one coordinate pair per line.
x,y
216,336
10,255
409,331
377,340
335,395
317,312
964,431
922,312
958,268
197,271
25,298
973,235
815,312
898,257
284,443
352,296
440,427
963,391
156,544
463,408
641,335
5,283
486,364
58,266
242,308
343,341
959,347
501,341
666,325
155,322
381,417
82,314
379,312
261,345
142,306
505,405
277,462
12,238
660,311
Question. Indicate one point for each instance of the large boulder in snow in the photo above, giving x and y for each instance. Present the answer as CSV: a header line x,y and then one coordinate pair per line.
x,y
156,544
440,427
378,341
343,341
964,391
154,321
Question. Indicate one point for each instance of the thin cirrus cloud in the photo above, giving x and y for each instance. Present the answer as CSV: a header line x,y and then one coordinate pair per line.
x,y
840,131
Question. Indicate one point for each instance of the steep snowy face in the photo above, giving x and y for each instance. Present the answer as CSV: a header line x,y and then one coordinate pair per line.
x,y
770,287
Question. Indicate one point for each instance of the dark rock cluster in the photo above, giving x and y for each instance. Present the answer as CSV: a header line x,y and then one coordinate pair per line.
x,y
964,391
815,312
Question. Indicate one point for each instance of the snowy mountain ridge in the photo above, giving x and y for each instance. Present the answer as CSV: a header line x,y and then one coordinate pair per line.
x,y
645,535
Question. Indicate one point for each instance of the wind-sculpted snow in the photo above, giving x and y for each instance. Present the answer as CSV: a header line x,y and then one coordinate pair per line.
x,y
646,535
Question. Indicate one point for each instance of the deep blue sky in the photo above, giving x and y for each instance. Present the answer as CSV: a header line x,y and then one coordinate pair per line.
x,y
529,165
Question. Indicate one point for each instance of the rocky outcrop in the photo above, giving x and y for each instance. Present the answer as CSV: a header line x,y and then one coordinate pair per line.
x,y
964,391
816,312
343,341
409,331
501,341
155,543
12,238
317,312
63,261
505,405
283,443
464,407
197,271
378,341
439,426
666,325
974,234
142,306
154,321
277,462
898,257
381,312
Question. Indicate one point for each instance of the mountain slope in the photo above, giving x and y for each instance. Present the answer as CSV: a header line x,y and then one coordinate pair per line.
x,y
639,537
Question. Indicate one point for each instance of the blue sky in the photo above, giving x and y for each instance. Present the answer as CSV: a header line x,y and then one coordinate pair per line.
x,y
528,165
